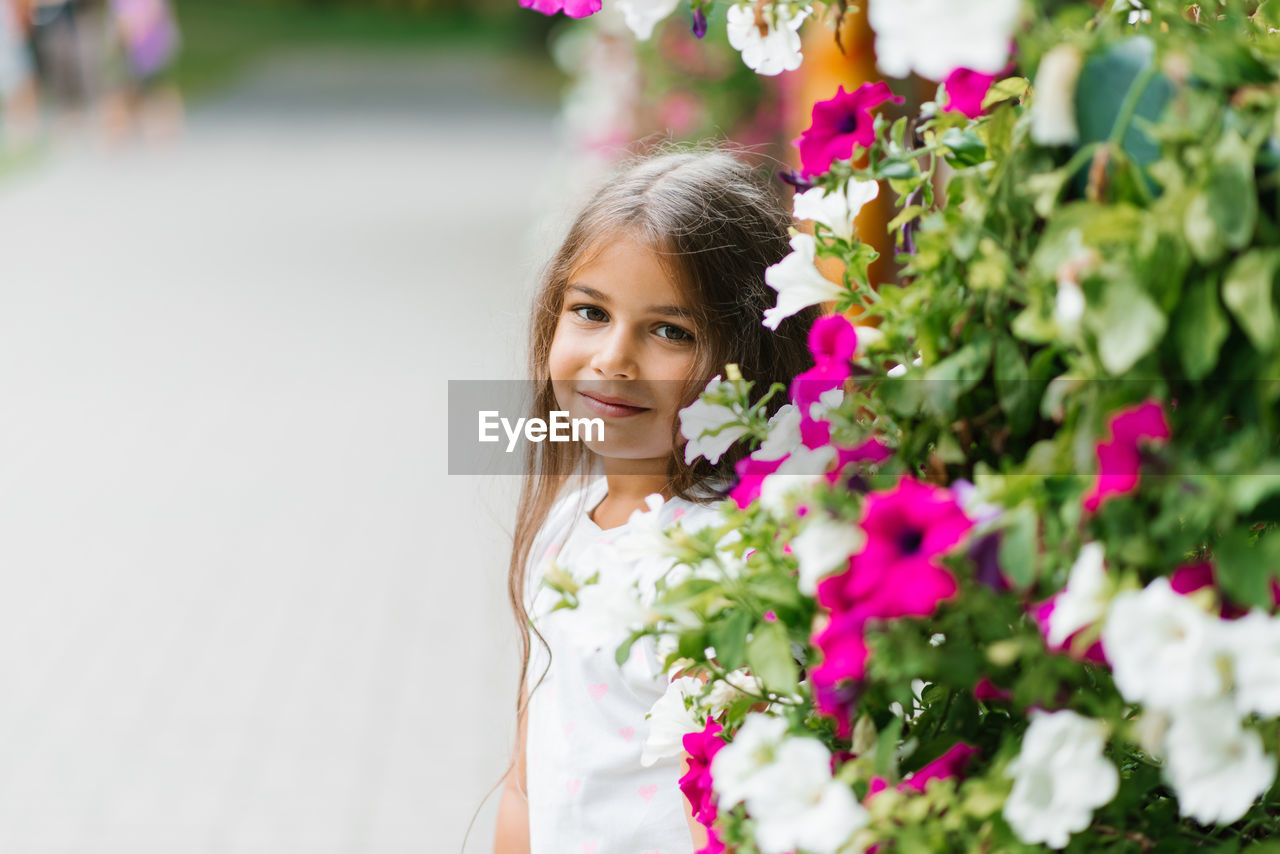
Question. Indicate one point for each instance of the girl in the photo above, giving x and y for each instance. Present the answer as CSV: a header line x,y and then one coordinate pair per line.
x,y
658,285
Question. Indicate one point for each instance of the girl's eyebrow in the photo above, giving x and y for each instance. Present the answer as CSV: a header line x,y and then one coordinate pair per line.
x,y
671,310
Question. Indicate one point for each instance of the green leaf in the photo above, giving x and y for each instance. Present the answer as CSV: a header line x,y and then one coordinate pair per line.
x,y
1013,385
1200,327
1233,199
967,148
1246,290
957,374
1202,232
1128,325
1018,546
729,637
899,169
1002,90
1244,568
624,650
905,216
886,746
770,660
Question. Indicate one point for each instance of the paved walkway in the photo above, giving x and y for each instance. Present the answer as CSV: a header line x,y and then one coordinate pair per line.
x,y
243,609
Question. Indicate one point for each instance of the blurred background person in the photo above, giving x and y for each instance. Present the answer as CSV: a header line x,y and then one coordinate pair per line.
x,y
142,94
18,106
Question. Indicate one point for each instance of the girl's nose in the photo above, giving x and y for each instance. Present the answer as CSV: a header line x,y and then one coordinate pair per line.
x,y
615,358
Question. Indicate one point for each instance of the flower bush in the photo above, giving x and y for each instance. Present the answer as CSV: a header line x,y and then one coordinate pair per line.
x,y
1003,575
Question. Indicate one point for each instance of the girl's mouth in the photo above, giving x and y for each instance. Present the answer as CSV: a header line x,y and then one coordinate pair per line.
x,y
611,407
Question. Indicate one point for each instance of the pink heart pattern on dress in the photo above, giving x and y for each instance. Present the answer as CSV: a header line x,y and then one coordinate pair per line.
x,y
569,728
647,792
573,786
627,732
598,690
590,847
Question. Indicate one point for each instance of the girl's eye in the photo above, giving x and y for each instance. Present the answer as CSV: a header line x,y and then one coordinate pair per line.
x,y
591,313
673,333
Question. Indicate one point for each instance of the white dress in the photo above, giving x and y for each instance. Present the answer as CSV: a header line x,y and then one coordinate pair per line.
x,y
588,792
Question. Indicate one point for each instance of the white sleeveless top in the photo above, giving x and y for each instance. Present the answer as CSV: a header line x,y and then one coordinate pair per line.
x,y
588,792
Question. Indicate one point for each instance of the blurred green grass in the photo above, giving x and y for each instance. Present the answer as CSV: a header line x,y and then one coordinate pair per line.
x,y
221,38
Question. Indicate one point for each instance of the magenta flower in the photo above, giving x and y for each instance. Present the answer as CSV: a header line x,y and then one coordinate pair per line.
x,y
965,90
870,451
839,124
844,664
1192,577
832,341
948,765
696,783
897,573
572,8
1119,458
751,474
987,691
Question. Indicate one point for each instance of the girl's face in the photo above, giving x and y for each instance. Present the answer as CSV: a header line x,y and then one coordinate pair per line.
x,y
623,350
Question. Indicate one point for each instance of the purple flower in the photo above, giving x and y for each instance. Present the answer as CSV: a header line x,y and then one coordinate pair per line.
x,y
699,23
839,124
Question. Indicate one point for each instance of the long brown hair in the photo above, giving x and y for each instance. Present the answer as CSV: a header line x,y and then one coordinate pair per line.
x,y
716,224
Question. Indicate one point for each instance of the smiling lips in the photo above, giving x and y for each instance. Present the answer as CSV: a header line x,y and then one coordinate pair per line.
x,y
612,407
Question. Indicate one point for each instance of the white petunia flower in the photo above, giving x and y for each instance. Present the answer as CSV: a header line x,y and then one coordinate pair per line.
x,y
822,547
1053,97
737,765
700,417
1084,600
798,282
779,491
1253,644
1059,778
827,402
608,611
643,15
935,37
1216,767
1164,651
784,434
670,721
838,210
770,54
797,805
724,691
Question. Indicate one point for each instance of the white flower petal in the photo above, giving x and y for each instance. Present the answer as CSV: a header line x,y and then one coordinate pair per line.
x,y
643,15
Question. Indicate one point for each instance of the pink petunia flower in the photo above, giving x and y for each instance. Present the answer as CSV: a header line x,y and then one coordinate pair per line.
x,y
572,8
832,342
948,765
836,681
965,90
896,574
696,783
751,474
839,124
1119,458
987,691
1192,577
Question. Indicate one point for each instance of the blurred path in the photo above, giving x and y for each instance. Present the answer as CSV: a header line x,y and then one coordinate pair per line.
x,y
242,607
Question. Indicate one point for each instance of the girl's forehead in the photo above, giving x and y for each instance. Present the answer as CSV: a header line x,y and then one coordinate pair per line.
x,y
624,262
